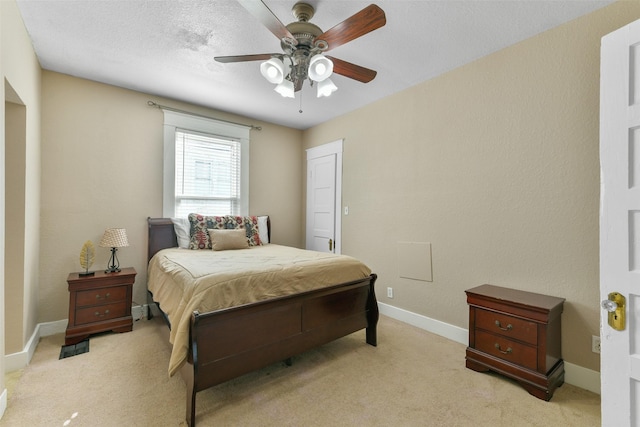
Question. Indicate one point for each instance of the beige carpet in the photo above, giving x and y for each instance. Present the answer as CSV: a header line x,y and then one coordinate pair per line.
x,y
413,378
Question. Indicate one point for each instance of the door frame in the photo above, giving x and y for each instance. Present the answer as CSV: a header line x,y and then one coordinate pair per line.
x,y
328,149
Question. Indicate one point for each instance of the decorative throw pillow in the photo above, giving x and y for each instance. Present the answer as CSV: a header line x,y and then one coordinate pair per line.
x,y
249,223
222,240
252,230
199,224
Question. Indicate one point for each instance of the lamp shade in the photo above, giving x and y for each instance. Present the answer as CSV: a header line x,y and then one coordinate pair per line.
x,y
286,89
320,68
273,70
326,88
114,238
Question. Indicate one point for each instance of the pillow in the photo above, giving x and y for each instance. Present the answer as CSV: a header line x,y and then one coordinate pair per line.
x,y
181,227
249,223
263,229
253,230
199,224
222,240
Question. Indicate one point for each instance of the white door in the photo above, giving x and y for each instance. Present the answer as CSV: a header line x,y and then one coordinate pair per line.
x,y
324,166
620,222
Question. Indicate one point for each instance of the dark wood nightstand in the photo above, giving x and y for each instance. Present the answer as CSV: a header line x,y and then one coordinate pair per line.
x,y
99,303
516,334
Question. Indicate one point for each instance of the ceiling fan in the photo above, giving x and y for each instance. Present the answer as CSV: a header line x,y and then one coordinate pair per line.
x,y
303,45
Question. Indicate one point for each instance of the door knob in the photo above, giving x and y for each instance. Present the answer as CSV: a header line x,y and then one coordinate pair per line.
x,y
609,305
330,244
615,305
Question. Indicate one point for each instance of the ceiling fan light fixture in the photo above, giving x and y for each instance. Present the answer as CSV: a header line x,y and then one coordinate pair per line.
x,y
286,89
326,87
320,68
273,70
303,44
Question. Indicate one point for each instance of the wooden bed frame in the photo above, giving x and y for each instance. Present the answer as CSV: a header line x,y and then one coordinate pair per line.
x,y
230,342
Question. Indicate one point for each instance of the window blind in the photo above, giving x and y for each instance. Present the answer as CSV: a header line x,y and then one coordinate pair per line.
x,y
207,174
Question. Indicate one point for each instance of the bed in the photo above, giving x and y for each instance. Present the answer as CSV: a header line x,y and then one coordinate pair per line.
x,y
224,343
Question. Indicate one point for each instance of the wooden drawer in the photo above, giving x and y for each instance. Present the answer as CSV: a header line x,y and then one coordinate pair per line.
x,y
508,326
101,313
99,302
517,334
506,349
101,296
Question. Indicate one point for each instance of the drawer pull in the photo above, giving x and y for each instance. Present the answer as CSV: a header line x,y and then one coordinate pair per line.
x,y
107,312
508,328
507,351
105,297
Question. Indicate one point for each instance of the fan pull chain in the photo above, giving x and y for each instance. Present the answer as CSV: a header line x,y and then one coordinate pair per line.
x,y
300,110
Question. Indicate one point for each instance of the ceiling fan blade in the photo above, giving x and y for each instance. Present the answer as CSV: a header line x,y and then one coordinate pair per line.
x,y
352,71
244,58
261,11
368,19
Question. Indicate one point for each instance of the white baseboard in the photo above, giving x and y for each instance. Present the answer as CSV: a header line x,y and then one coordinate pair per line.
x,y
19,360
573,374
139,312
446,330
52,328
15,361
578,376
3,402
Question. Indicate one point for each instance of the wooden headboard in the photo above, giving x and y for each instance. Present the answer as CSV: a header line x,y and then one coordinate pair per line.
x,y
162,235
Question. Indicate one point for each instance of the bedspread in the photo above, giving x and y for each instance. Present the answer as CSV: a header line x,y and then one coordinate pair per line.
x,y
183,281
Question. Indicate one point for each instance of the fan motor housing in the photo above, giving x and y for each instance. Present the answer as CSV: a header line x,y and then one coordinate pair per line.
x,y
304,33
302,30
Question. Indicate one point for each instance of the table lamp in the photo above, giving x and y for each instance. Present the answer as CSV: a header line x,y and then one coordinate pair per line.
x,y
114,238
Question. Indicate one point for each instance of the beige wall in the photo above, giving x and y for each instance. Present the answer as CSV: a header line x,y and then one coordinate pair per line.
x,y
14,236
496,165
20,87
102,167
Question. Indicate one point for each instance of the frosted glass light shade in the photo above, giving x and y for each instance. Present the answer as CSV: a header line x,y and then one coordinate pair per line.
x,y
273,70
326,88
286,89
320,68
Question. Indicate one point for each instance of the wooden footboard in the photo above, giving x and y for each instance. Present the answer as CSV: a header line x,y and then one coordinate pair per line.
x,y
228,343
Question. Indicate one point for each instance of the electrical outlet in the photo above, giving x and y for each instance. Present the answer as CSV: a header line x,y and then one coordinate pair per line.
x,y
595,344
390,292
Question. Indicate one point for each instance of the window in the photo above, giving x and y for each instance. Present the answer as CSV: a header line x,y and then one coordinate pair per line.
x,y
207,175
205,166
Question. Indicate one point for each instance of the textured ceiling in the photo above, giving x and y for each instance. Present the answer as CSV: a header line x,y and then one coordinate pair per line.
x,y
166,48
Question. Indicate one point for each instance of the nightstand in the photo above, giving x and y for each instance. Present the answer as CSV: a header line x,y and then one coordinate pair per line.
x,y
99,303
517,334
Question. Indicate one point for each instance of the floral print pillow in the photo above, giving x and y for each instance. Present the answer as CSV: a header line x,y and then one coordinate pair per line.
x,y
200,224
249,223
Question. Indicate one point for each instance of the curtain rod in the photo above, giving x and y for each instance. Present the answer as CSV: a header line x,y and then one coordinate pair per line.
x,y
164,107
